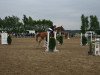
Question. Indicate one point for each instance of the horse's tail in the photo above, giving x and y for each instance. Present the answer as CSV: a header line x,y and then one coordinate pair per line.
x,y
37,36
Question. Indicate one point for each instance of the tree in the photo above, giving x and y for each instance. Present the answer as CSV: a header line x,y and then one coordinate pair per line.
x,y
1,24
25,21
37,25
10,24
43,25
30,23
94,23
84,24
13,24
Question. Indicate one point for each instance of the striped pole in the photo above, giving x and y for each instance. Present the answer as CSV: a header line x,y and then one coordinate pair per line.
x,y
55,50
47,41
81,40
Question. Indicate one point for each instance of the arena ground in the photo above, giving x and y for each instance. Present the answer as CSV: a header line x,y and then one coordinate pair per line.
x,y
23,57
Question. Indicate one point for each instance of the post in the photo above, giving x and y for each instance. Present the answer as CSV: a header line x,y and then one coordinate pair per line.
x,y
91,36
68,36
47,41
97,47
81,40
55,50
4,38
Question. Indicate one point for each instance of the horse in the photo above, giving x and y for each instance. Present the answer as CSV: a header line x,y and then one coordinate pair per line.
x,y
43,35
60,30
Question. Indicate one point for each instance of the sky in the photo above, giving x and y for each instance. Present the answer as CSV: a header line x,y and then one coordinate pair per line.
x,y
66,13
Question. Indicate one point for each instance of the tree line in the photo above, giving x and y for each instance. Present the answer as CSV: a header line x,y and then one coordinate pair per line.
x,y
17,25
90,23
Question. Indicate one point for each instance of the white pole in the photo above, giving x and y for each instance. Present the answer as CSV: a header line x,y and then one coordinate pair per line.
x,y
55,39
47,41
4,38
91,36
68,36
81,40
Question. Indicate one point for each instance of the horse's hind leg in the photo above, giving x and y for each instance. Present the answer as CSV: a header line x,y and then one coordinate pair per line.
x,y
39,43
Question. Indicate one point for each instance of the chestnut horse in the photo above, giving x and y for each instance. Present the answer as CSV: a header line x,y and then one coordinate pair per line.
x,y
43,35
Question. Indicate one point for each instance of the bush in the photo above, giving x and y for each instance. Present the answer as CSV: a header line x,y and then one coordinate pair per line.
x,y
60,39
90,52
52,44
9,40
84,40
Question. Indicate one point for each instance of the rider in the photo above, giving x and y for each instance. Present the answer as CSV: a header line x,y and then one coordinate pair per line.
x,y
51,29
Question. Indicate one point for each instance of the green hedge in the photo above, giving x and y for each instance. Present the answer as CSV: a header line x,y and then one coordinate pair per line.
x,y
84,40
9,40
91,48
60,39
52,44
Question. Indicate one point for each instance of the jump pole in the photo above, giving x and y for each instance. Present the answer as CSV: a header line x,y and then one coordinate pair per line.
x,y
48,41
55,50
68,36
81,39
91,37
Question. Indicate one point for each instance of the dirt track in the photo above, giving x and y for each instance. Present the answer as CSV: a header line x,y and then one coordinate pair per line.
x,y
24,58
